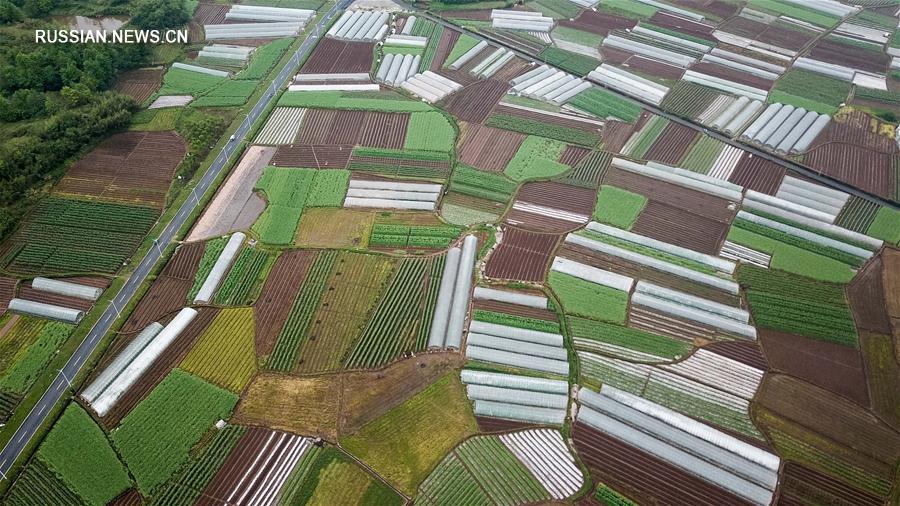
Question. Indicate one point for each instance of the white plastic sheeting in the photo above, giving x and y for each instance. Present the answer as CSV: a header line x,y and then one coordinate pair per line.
x,y
252,30
710,260
746,60
805,234
545,454
560,367
513,396
462,287
430,86
517,333
518,412
743,67
675,10
829,6
438,332
655,263
681,177
592,274
467,56
521,20
812,195
391,195
472,377
360,25
827,69
202,70
334,87
220,268
629,84
521,299
125,357
725,85
674,308
66,288
281,127
258,13
133,371
48,311
406,40
650,51
734,313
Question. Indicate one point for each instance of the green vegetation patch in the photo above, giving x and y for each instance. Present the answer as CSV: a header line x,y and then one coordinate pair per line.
x,y
609,497
812,91
77,449
886,226
211,252
574,63
402,236
226,94
31,360
625,337
536,158
617,207
155,438
640,142
577,36
883,96
486,185
648,251
703,154
429,131
405,444
539,128
680,35
330,477
792,303
583,298
628,9
603,104
805,244
796,11
286,193
462,45
245,276
557,9
187,82
515,321
386,102
225,354
329,188
793,259
264,58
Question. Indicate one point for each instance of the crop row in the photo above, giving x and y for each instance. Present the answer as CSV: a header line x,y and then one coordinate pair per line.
x,y
211,251
515,321
286,191
431,295
583,298
574,63
534,127
392,329
799,242
433,40
429,131
186,489
264,58
504,478
400,236
637,340
788,313
640,142
609,497
244,275
297,323
590,170
790,285
31,361
225,354
480,184
603,104
38,484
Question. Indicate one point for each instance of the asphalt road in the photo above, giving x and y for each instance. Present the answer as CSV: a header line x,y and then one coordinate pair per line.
x,y
796,167
60,384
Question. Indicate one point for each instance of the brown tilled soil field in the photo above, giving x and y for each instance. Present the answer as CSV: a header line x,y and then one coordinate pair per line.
x,y
695,28
695,202
854,165
681,228
672,144
132,167
654,68
165,296
333,56
522,255
515,309
488,148
320,156
866,296
758,174
742,351
598,22
718,8
333,228
641,476
474,102
615,134
139,84
552,194
500,426
185,262
210,13
7,291
800,485
738,76
445,45
573,155
373,129
277,296
847,55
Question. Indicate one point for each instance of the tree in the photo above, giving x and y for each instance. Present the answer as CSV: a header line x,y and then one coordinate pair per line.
x,y
23,104
37,8
159,14
9,13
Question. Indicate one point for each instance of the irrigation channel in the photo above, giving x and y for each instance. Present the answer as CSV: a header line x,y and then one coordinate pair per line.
x,y
788,164
61,383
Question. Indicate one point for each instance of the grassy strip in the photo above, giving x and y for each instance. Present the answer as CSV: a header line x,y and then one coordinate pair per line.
x,y
791,9
539,128
429,131
886,225
264,58
574,63
577,36
385,102
211,252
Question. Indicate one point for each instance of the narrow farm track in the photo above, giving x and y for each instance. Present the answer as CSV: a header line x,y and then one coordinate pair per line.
x,y
787,164
39,412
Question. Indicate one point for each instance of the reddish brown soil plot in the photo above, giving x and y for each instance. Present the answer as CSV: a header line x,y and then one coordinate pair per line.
x,y
165,296
497,426
139,84
515,309
681,228
277,297
599,23
488,148
859,129
758,174
332,56
835,368
210,13
173,354
373,129
672,144
850,56
854,165
135,167
738,76
801,485
474,102
7,292
185,261
570,122
551,194
641,476
572,155
653,67
28,293
866,296
718,8
522,255
130,497
700,30
313,156
615,134
744,352
745,27
445,45
785,37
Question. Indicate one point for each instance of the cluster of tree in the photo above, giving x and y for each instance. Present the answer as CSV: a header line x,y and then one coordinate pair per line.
x,y
30,161
159,14
12,11
201,131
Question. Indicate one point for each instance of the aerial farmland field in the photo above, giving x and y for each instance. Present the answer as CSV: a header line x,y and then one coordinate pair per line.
x,y
594,252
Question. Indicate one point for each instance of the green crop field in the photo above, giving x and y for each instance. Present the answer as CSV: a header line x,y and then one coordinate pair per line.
x,y
641,141
30,361
187,82
797,11
331,477
515,321
702,155
38,484
155,438
541,129
329,188
401,163
792,303
484,468
434,39
583,298
480,184
557,9
386,102
286,192
286,347
804,244
604,104
402,236
814,92
628,8
68,236
78,451
463,44
648,251
886,225
244,278
429,131
577,36
586,332
211,252
536,158
609,497
405,444
225,354
264,58
617,207
187,487
793,259
226,94
574,63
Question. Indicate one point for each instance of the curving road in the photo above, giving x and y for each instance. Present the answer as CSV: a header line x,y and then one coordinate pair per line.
x,y
38,414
